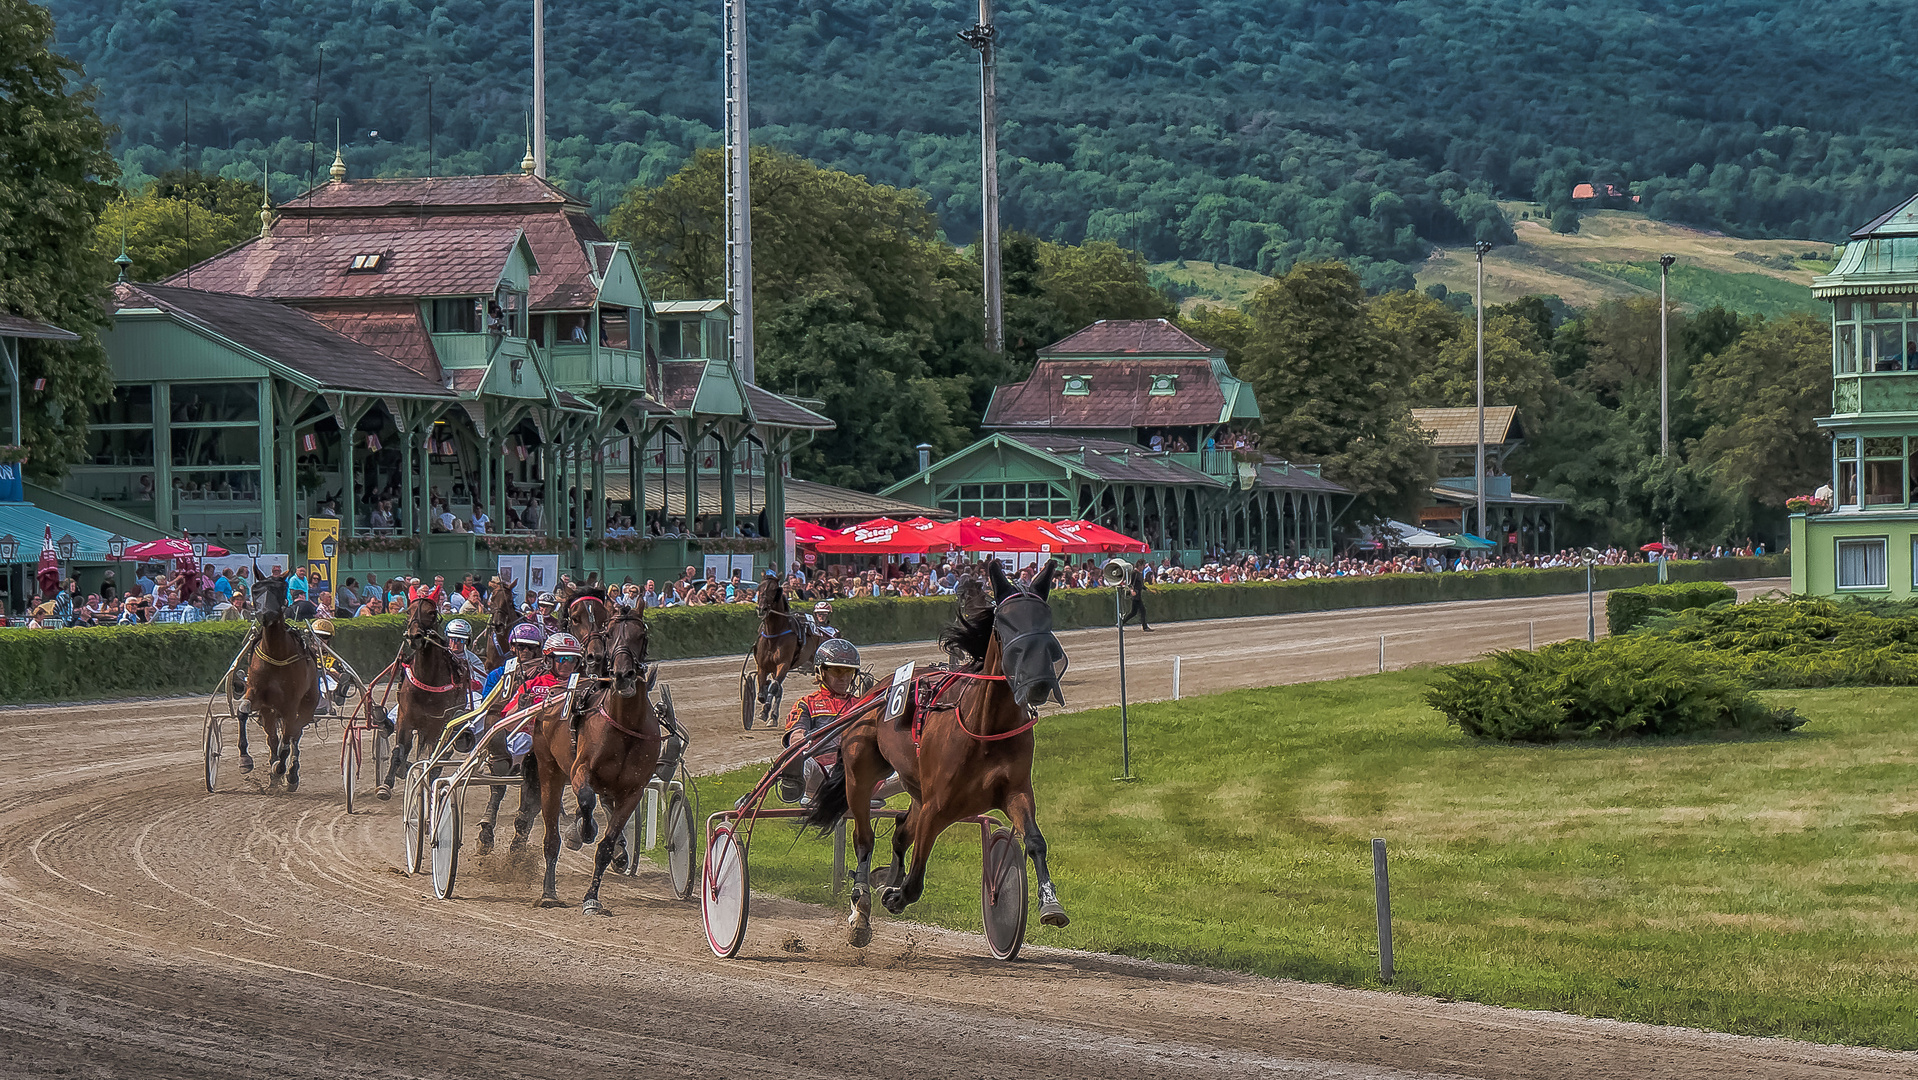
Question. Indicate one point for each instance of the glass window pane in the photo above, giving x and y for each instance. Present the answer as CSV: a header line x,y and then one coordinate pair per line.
x,y
123,446
995,491
1847,484
1884,482
1015,510
216,446
1861,564
128,491
615,328
1845,349
130,404
1841,310
214,403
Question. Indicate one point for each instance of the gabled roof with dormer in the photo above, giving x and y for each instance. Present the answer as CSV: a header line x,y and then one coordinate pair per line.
x,y
1121,374
1128,338
294,263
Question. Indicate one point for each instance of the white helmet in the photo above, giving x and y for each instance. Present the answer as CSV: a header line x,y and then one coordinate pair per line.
x,y
563,645
459,630
836,652
822,608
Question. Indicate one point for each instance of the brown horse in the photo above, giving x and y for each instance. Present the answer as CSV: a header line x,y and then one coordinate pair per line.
x,y
501,616
974,752
786,642
433,689
610,748
282,685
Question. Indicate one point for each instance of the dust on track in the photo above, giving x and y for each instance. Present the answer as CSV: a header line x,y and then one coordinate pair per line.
x,y
150,929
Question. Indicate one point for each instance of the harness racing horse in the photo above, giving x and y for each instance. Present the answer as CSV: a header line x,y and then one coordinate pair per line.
x,y
610,748
501,616
433,689
500,760
282,685
973,753
786,642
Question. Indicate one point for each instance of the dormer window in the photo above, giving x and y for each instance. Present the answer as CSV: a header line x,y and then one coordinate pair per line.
x,y
1078,385
1165,385
365,263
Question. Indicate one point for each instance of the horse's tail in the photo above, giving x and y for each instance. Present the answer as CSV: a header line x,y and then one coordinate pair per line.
x,y
829,805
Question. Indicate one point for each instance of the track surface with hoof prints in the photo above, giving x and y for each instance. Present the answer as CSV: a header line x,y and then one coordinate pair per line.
x,y
150,929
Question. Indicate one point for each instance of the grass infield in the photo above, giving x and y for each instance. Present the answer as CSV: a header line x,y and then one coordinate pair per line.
x,y
1766,886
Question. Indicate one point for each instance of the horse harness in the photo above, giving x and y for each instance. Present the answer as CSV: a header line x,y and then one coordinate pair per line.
x,y
922,705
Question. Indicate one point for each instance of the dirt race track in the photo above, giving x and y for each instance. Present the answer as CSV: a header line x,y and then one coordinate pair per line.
x,y
148,929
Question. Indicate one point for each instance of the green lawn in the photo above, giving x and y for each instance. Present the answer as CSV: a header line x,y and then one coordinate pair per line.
x,y
1699,287
1763,886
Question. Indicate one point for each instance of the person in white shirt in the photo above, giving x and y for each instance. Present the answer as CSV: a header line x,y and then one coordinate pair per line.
x,y
480,520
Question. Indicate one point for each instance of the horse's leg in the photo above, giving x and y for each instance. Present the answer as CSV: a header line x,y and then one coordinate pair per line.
x,y
528,801
923,826
551,782
617,811
501,766
862,765
246,759
584,828
293,756
397,766
1020,808
275,745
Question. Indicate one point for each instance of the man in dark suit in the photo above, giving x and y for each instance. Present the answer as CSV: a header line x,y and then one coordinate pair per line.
x,y
1135,585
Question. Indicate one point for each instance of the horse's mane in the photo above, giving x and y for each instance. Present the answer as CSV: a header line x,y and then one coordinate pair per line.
x,y
971,628
594,590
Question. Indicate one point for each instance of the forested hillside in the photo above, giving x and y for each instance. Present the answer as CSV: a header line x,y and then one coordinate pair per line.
x,y
1252,132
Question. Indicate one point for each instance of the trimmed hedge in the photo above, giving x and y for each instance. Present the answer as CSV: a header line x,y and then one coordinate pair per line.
x,y
1610,689
1626,609
143,661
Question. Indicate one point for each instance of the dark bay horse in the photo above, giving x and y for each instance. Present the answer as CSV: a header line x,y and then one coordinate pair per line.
x,y
611,749
501,616
974,752
786,642
282,685
433,689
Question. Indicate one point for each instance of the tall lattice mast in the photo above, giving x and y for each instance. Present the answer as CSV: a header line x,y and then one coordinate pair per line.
x,y
539,89
739,198
984,37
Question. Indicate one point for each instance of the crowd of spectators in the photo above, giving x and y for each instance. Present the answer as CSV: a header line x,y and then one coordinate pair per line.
x,y
157,595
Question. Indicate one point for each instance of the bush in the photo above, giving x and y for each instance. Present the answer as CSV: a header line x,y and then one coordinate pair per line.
x,y
1611,689
1625,609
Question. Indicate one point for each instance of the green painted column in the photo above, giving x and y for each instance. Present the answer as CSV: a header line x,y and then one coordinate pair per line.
x,y
728,506
692,474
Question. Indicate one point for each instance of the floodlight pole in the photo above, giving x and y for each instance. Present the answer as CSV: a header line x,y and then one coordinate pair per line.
x,y
983,37
539,90
1125,733
1481,248
1591,605
739,194
1664,395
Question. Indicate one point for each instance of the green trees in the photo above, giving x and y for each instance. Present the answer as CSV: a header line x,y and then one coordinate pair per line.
x,y
1334,387
861,303
180,219
55,178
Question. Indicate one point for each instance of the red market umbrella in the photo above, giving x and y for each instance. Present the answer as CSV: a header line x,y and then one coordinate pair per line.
x,y
1041,537
880,536
1656,546
806,532
169,548
979,534
1105,539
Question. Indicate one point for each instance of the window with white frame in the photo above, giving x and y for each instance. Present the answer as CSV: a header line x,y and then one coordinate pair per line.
x,y
1861,563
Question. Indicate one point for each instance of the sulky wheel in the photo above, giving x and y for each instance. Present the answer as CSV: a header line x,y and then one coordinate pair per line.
x,y
748,698
446,841
212,742
349,763
724,896
680,849
413,818
1002,895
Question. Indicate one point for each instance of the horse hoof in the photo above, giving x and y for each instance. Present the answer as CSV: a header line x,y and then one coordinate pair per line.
x,y
1053,915
570,835
593,907
549,902
292,785
382,793
858,936
246,764
894,899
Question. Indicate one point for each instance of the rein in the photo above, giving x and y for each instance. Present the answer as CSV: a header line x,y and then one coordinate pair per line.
x,y
411,678
958,717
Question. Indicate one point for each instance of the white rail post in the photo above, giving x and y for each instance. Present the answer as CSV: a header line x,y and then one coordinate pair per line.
x,y
1175,678
1381,654
652,817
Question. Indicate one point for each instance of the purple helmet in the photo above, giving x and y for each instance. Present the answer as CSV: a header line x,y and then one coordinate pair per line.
x,y
528,634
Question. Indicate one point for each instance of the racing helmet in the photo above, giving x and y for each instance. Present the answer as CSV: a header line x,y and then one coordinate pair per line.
x,y
527,634
564,645
545,600
836,652
822,608
459,630
323,628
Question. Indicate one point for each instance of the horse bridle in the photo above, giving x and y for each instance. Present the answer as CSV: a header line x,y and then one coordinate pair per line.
x,y
1006,644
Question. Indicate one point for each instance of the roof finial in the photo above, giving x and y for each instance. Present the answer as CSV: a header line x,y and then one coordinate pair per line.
x,y
266,204
338,171
123,262
527,164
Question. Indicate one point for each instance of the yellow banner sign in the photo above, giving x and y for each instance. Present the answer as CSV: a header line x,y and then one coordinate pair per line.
x,y
322,555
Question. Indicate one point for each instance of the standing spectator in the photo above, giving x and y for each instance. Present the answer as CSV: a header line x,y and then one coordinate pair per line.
x,y
296,584
108,589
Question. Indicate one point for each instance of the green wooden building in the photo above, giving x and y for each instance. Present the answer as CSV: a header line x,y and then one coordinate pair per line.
x,y
398,352
1865,541
1139,426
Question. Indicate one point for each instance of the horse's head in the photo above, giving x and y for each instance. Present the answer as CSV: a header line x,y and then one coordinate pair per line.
x,y
422,624
1030,655
269,596
500,608
772,597
587,612
626,646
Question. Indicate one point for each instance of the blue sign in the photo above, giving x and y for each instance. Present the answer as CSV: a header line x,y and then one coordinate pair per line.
x,y
10,487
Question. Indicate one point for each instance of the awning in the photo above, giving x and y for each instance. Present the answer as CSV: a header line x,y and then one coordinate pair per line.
x,y
881,536
28,524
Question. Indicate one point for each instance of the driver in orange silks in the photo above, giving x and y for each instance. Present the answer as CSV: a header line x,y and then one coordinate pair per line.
x,y
837,664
